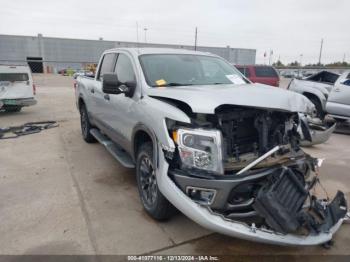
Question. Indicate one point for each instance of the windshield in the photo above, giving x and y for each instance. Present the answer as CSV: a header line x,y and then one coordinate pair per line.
x,y
14,77
183,70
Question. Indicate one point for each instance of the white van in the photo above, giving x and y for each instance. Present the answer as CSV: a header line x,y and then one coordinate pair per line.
x,y
16,87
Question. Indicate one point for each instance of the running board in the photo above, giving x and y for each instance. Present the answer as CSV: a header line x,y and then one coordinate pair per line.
x,y
116,151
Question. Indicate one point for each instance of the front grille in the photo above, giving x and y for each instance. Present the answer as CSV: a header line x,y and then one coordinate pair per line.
x,y
240,137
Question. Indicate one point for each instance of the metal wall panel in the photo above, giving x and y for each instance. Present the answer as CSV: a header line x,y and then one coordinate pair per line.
x,y
62,53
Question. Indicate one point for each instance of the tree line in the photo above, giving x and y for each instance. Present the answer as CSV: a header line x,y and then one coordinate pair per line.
x,y
278,63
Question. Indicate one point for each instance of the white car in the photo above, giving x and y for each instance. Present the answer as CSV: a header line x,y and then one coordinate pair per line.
x,y
16,87
329,92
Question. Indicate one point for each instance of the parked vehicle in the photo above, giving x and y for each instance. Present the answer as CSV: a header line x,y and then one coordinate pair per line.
x,y
329,92
82,73
62,72
260,74
289,74
16,87
308,73
202,138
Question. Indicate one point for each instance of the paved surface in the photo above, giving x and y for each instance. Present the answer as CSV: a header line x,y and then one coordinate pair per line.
x,y
59,195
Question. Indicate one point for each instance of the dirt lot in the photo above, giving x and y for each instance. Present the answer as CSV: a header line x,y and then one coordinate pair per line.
x,y
59,195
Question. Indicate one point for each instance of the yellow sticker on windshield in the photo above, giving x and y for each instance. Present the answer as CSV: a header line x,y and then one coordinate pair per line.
x,y
161,82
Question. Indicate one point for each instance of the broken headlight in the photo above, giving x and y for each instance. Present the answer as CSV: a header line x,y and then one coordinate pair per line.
x,y
199,148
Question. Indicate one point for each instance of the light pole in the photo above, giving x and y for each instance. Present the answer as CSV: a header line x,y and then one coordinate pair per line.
x,y
319,58
195,40
145,29
300,64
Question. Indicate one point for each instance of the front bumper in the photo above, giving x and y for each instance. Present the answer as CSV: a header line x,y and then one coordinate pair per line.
x,y
213,221
222,186
319,136
18,102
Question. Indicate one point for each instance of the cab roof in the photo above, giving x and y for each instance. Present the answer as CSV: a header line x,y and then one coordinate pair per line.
x,y
152,50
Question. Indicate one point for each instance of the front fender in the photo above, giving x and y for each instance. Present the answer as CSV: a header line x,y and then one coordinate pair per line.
x,y
153,113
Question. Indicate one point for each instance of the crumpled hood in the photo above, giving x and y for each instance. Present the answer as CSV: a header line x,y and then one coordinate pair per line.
x,y
205,99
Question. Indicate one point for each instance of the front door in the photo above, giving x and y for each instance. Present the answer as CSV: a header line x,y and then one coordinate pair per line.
x,y
119,115
100,102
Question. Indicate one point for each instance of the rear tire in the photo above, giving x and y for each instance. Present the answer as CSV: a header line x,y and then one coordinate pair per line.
x,y
12,109
86,125
153,201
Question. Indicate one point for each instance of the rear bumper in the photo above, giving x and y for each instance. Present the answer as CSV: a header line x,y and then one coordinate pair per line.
x,y
18,102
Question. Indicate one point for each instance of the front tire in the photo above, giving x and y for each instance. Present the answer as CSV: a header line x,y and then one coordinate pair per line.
x,y
153,201
86,125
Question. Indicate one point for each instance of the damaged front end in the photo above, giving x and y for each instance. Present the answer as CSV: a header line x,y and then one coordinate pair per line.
x,y
245,166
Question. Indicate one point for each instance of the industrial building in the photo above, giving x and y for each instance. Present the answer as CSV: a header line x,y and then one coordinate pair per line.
x,y
50,54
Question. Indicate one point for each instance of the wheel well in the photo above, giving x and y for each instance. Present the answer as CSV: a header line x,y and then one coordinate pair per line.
x,y
318,104
81,102
140,138
311,96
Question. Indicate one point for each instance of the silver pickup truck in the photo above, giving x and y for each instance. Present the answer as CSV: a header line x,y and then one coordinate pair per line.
x,y
205,140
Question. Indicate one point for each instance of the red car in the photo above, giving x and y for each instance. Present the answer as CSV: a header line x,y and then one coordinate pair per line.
x,y
260,74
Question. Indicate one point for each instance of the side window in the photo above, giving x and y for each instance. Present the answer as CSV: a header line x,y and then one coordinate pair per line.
x,y
347,82
107,66
124,69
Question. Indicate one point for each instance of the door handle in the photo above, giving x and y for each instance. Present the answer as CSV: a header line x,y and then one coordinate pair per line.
x,y
106,96
92,90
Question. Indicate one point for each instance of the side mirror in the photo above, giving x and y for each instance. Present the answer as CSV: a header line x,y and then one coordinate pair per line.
x,y
111,85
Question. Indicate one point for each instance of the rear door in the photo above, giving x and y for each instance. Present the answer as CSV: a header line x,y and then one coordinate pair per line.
x,y
338,102
15,85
